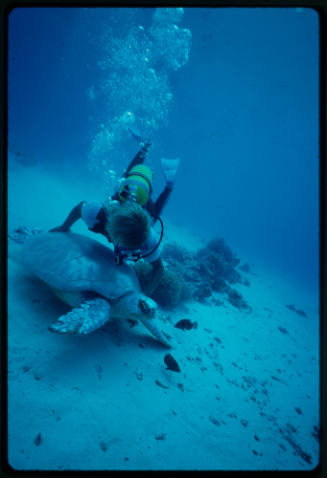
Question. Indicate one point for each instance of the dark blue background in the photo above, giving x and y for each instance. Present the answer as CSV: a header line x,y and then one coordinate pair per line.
x,y
244,119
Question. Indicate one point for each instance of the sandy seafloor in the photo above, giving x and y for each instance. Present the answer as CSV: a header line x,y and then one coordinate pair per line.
x,y
246,396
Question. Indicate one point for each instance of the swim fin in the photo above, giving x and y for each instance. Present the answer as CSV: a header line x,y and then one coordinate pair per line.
x,y
169,167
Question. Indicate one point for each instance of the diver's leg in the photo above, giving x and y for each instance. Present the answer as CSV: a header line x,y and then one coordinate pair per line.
x,y
161,201
169,167
139,157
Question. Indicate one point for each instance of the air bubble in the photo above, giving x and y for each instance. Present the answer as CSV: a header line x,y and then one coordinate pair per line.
x,y
168,15
136,87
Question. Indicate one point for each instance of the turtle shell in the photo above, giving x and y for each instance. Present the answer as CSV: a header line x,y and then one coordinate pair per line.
x,y
72,262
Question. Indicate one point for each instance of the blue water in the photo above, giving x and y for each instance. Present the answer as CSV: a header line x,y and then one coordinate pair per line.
x,y
243,118
233,93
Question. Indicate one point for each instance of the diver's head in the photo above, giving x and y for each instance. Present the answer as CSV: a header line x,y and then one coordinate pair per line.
x,y
128,225
137,185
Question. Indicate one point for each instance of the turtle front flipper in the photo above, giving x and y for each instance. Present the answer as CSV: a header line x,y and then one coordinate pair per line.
x,y
89,316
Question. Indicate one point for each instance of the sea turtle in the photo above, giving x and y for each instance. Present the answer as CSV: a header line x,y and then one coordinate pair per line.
x,y
82,273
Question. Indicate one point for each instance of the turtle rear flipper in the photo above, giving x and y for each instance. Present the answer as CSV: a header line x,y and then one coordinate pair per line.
x,y
20,234
86,318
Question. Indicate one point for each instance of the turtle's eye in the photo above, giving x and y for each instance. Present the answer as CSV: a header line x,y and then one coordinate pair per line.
x,y
145,308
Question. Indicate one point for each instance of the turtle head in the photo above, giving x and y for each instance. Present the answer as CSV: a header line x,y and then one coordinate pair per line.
x,y
140,306
147,307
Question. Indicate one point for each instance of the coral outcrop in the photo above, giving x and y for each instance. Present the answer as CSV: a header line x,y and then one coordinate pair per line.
x,y
212,269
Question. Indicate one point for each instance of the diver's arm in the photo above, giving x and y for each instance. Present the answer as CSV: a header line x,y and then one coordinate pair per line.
x,y
138,158
74,215
157,273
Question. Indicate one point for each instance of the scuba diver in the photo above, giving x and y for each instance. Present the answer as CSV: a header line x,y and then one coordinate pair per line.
x,y
127,218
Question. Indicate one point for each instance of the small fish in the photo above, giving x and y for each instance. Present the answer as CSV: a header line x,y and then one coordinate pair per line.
x,y
171,363
38,439
186,324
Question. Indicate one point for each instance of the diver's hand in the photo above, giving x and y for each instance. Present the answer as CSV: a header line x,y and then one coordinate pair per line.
x,y
60,229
